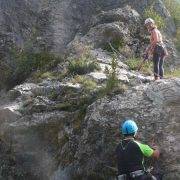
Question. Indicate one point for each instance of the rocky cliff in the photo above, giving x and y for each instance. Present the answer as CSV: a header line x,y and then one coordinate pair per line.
x,y
49,26
53,24
61,120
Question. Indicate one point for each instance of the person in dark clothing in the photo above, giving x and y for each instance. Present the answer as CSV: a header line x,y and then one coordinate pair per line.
x,y
156,48
158,62
130,155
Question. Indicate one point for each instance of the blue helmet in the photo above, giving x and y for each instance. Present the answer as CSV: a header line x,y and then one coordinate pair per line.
x,y
129,127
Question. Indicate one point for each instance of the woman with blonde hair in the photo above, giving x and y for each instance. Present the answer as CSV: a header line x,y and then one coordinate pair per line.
x,y
156,48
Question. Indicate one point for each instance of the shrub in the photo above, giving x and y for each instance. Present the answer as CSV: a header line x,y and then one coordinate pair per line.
x,y
82,66
114,44
150,12
174,73
66,106
26,63
134,64
113,85
83,63
174,8
47,74
177,39
112,81
86,82
6,72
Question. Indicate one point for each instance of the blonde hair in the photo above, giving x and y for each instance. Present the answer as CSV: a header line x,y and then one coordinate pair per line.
x,y
153,25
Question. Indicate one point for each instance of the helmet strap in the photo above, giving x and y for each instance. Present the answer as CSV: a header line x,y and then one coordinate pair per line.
x,y
135,134
127,131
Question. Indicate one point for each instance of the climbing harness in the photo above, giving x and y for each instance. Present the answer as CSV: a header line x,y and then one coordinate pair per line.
x,y
122,177
137,173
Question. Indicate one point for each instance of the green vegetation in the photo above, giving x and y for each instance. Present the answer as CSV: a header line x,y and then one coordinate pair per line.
x,y
174,73
53,95
112,85
26,63
116,44
49,75
63,107
177,39
39,75
63,140
6,72
72,100
82,66
134,64
83,63
112,81
174,8
87,83
150,12
77,124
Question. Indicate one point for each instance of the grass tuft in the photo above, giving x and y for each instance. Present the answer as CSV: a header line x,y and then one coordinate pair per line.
x,y
82,66
117,44
83,62
87,83
174,73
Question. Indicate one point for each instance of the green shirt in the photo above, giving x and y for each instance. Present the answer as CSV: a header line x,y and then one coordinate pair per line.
x,y
145,149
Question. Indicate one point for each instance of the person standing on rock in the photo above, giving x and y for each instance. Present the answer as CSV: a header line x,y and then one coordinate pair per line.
x,y
130,154
156,48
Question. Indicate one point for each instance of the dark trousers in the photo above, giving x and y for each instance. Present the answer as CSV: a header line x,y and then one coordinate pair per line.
x,y
158,62
146,177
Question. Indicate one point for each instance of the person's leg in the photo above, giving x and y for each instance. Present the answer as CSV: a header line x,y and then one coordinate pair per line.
x,y
161,69
156,60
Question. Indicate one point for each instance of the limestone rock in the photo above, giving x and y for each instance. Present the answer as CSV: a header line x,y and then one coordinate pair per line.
x,y
98,76
57,22
155,107
45,25
100,35
43,126
104,58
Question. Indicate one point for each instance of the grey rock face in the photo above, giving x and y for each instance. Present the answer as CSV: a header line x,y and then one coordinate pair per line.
x,y
154,107
50,143
32,122
85,148
53,24
50,26
34,140
117,26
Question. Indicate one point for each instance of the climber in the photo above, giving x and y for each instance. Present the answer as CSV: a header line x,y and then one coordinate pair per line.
x,y
130,154
156,48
